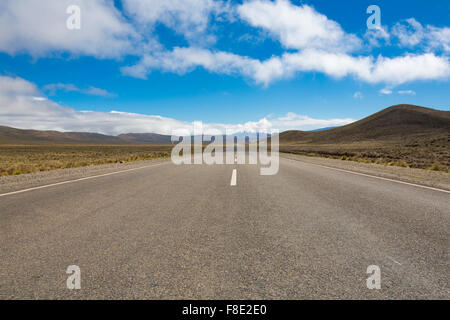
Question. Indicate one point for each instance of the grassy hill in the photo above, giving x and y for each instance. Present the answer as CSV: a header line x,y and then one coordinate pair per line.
x,y
393,123
10,135
403,135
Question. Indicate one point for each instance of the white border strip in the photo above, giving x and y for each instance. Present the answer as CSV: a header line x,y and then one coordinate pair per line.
x,y
81,179
371,176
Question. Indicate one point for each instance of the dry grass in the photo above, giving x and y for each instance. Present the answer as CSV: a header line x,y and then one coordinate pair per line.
x,y
432,153
19,159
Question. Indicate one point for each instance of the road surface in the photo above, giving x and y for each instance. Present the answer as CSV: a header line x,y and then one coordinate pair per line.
x,y
225,232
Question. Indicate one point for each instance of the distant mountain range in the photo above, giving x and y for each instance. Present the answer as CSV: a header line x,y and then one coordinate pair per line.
x,y
10,135
391,123
147,138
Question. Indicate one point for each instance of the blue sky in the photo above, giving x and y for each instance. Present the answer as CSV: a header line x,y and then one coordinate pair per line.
x,y
242,65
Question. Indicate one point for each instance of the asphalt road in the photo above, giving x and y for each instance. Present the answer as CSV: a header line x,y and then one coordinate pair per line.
x,y
189,232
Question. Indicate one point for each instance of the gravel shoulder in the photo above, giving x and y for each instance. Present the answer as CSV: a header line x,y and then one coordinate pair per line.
x,y
437,179
25,181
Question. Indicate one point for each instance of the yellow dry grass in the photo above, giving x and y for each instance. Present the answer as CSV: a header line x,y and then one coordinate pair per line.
x,y
20,159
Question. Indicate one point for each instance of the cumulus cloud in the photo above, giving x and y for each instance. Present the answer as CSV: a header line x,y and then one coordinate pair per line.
x,y
314,42
16,86
68,87
393,71
439,38
321,44
411,33
297,27
24,107
409,68
182,60
187,17
39,28
378,36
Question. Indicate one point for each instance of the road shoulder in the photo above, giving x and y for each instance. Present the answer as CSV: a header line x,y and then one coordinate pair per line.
x,y
32,180
435,179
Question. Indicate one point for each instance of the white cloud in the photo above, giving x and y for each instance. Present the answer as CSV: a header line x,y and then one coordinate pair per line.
x,y
21,109
297,27
439,38
16,86
336,65
411,33
187,17
386,91
393,71
378,36
39,98
319,44
409,68
54,87
67,87
406,92
39,28
358,95
301,122
182,60
256,38
93,91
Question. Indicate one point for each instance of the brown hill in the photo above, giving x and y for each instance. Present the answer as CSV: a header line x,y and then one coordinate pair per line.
x,y
402,135
393,123
10,135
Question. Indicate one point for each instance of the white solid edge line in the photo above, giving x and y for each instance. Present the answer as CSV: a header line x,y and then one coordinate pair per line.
x,y
372,176
233,178
80,179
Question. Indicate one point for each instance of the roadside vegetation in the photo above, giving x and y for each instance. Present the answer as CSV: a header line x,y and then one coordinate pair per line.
x,y
431,154
21,159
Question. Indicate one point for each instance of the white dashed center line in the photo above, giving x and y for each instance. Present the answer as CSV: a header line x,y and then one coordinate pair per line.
x,y
233,178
